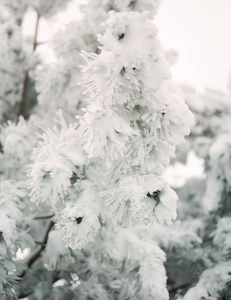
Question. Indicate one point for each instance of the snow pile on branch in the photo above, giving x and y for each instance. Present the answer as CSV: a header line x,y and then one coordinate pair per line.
x,y
137,114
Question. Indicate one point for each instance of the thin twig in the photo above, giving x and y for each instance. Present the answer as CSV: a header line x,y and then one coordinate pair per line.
x,y
36,32
38,243
24,91
37,253
43,217
41,43
24,295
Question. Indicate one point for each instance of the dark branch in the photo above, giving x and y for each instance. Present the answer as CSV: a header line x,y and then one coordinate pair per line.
x,y
44,217
35,44
24,295
37,254
40,248
24,91
41,43
1,148
38,243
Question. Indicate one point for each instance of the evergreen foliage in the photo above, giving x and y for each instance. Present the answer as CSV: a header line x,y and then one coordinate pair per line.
x,y
205,203
85,211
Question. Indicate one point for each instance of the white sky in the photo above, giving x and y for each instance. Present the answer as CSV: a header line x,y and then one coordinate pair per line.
x,y
199,30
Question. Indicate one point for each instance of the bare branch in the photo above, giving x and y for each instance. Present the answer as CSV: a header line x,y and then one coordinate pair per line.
x,y
36,32
1,148
38,243
24,90
38,250
24,295
41,43
44,217
37,254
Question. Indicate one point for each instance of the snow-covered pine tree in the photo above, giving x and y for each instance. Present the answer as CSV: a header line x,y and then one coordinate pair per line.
x,y
127,110
18,60
13,60
204,206
93,232
57,83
